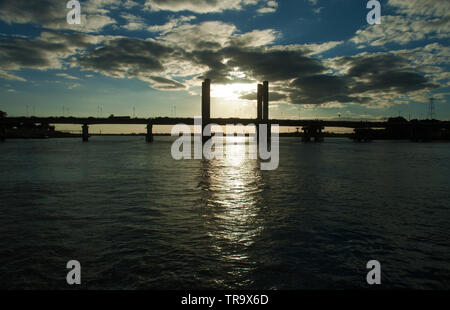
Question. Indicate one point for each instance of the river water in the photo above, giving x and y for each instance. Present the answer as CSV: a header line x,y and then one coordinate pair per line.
x,y
137,219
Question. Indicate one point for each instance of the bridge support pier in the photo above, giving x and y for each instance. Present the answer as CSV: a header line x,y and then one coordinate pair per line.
x,y
206,109
313,132
265,110
85,133
149,135
363,135
257,133
259,108
2,133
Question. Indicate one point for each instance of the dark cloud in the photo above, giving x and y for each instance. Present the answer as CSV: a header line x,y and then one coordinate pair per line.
x,y
319,89
134,58
41,12
367,76
383,72
45,52
127,57
373,64
273,96
272,65
256,63
217,70
400,82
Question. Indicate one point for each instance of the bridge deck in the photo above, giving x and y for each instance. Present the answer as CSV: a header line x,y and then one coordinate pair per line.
x,y
187,121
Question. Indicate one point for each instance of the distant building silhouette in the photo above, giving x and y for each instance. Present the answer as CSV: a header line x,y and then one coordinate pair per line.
x,y
398,128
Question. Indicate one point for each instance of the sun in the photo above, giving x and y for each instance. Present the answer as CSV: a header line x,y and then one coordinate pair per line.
x,y
231,91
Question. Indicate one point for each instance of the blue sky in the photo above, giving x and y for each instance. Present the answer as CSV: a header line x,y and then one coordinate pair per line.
x,y
321,56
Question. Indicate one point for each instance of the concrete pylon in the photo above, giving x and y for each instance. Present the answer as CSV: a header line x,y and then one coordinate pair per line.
x,y
149,135
266,100
85,134
206,108
265,114
259,108
260,102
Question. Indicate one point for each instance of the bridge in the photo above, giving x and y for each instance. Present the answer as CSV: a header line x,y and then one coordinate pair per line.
x,y
12,121
187,121
312,129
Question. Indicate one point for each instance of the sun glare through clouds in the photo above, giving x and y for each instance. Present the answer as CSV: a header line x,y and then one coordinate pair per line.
x,y
231,91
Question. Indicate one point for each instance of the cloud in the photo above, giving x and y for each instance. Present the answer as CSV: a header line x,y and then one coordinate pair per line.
x,y
73,86
205,36
269,7
422,8
319,89
318,10
272,65
367,78
402,30
198,6
162,83
211,35
9,76
214,35
307,49
274,96
126,57
129,4
415,20
235,64
133,58
174,22
254,38
67,76
45,52
133,22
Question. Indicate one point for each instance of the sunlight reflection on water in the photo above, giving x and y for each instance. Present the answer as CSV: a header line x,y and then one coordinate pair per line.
x,y
232,208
